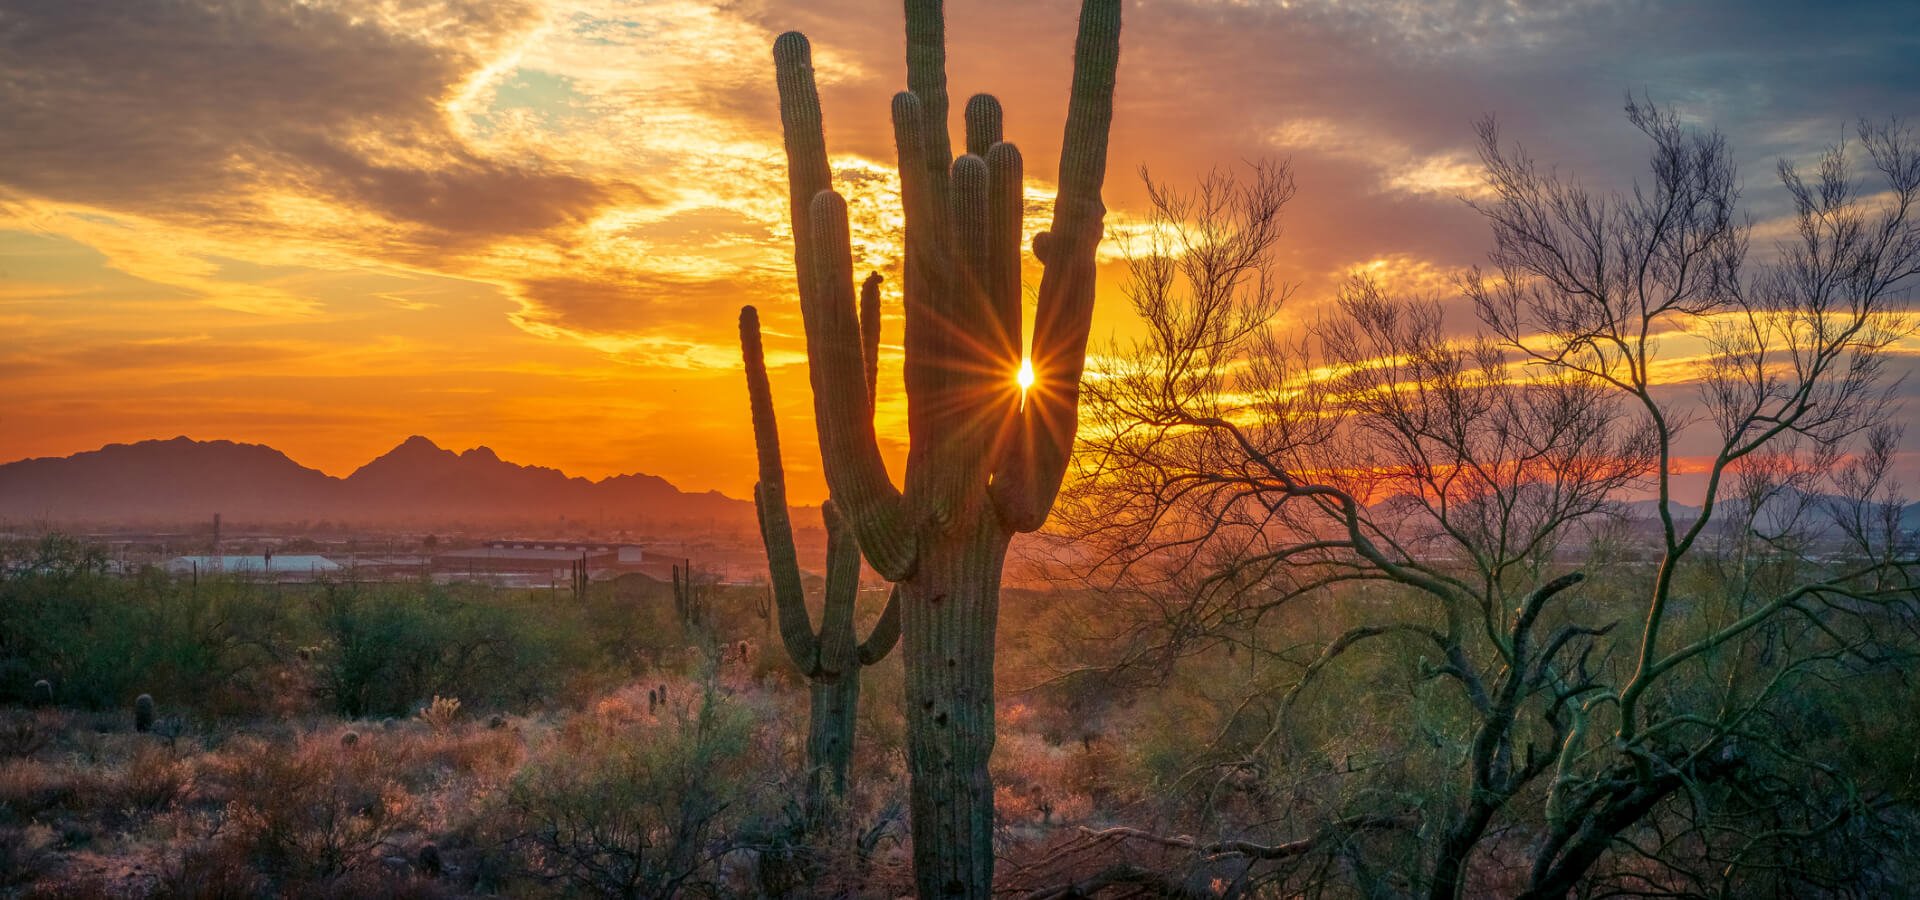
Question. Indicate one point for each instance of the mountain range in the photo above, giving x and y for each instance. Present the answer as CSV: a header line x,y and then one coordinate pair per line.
x,y
415,483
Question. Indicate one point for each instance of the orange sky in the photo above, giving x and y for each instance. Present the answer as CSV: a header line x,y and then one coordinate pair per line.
x,y
326,226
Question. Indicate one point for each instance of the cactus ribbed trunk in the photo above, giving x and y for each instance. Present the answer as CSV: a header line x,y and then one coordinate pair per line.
x,y
949,613
836,703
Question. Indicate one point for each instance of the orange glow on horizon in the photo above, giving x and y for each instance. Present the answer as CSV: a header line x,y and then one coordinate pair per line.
x,y
528,226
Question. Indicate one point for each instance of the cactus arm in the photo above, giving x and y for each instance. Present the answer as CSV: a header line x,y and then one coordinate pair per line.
x,y
927,79
1000,269
977,387
856,475
933,340
1083,152
1034,462
968,189
885,633
978,383
855,472
802,126
924,281
837,652
1005,205
983,123
770,502
870,334
968,192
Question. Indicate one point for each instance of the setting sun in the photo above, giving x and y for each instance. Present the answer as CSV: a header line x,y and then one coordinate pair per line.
x,y
554,448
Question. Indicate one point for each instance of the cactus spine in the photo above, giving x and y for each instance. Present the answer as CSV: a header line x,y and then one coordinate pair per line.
x,y
831,658
143,712
984,462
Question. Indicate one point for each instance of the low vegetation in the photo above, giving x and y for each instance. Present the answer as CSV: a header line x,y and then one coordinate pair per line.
x,y
629,765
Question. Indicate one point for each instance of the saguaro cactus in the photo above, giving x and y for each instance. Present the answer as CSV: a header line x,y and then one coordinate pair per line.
x,y
831,658
689,596
984,460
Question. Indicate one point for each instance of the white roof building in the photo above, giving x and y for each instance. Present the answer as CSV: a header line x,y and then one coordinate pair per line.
x,y
276,564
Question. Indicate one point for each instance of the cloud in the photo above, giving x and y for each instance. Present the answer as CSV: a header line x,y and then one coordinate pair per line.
x,y
192,110
591,188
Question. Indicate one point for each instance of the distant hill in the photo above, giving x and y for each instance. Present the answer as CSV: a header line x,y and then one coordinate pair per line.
x,y
1650,510
415,483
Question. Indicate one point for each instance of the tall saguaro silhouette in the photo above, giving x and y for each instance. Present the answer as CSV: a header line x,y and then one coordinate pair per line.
x,y
984,461
831,659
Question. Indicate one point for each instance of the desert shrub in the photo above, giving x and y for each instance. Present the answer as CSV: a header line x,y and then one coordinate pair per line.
x,y
103,639
151,780
24,733
218,647
633,626
390,649
383,648
313,811
62,616
210,871
637,806
30,788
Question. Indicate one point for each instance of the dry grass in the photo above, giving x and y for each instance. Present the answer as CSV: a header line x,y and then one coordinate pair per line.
x,y
292,807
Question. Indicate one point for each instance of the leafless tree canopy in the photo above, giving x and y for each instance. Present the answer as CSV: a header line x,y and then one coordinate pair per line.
x,y
1600,682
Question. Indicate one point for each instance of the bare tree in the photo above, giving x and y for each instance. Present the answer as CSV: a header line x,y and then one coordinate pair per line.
x,y
1602,683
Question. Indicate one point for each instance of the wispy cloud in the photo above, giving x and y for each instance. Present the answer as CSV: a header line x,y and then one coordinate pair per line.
x,y
467,214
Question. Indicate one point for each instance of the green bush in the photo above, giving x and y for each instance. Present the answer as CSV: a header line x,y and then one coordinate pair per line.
x,y
101,639
390,648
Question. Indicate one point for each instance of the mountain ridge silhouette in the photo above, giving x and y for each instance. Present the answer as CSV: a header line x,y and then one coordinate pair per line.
x,y
418,482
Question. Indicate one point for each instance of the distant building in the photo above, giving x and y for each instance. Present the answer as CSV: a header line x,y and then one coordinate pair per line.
x,y
538,557
597,552
278,565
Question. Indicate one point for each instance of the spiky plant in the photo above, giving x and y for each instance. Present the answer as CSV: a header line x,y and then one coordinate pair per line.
x,y
143,713
984,461
689,597
440,714
830,658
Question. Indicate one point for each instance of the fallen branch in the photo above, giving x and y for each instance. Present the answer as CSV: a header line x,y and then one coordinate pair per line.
x,y
1250,849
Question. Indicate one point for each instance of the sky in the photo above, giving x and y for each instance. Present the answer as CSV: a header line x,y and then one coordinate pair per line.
x,y
326,225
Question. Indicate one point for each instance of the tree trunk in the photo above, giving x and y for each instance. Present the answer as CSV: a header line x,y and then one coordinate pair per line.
x,y
1450,868
836,704
948,619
